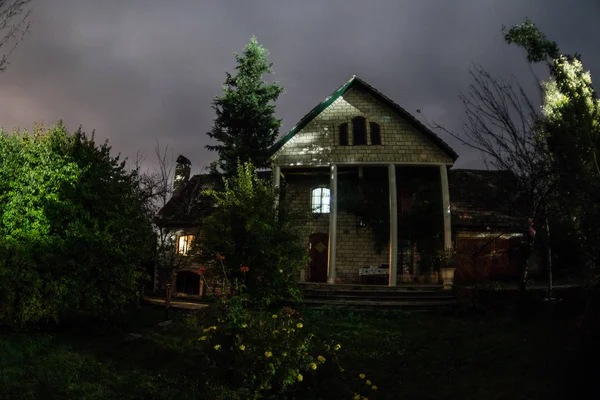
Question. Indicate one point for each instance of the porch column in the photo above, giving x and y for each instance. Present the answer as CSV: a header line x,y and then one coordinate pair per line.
x,y
276,177
393,225
446,207
447,273
332,224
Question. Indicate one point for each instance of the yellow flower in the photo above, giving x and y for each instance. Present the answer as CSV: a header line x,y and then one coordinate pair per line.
x,y
342,369
203,338
268,354
299,325
321,359
361,376
374,387
274,316
313,366
300,377
275,332
244,325
242,347
217,347
368,382
356,396
206,330
337,347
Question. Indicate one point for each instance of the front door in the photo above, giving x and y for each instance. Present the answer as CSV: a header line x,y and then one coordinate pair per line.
x,y
317,269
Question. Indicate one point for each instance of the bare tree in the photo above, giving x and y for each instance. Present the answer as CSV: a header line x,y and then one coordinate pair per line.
x,y
159,189
503,124
14,24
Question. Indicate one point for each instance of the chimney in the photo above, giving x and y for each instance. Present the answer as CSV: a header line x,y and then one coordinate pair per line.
x,y
182,174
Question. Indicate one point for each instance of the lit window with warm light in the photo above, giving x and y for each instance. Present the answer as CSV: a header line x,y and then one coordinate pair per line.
x,y
184,244
320,200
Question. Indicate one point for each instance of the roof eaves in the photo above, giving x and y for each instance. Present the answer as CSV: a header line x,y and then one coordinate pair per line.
x,y
311,115
418,124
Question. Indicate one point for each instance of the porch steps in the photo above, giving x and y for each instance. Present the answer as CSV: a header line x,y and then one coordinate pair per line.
x,y
369,297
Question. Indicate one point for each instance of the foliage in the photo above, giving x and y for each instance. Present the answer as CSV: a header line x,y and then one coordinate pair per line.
x,y
528,36
246,126
248,230
570,132
272,355
74,227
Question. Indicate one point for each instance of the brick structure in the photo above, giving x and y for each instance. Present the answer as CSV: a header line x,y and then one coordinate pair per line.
x,y
356,127
359,133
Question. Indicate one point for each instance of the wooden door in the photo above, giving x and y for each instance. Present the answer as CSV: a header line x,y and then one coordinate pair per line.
x,y
317,269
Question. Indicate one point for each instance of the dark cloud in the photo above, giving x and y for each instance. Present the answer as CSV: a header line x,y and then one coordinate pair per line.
x,y
142,71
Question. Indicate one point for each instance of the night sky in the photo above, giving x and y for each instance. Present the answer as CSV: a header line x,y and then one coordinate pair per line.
x,y
138,71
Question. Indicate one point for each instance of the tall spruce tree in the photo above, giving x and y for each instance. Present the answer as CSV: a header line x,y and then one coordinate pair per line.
x,y
245,126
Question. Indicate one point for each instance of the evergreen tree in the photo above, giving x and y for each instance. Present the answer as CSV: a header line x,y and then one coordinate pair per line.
x,y
245,126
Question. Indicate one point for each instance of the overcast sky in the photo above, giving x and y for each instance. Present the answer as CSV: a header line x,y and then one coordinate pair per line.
x,y
142,71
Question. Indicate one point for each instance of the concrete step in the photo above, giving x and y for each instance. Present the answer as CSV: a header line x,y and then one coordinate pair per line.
x,y
370,288
425,304
370,297
375,292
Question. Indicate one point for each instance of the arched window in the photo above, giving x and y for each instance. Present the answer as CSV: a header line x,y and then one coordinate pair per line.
x,y
344,134
320,197
375,133
359,130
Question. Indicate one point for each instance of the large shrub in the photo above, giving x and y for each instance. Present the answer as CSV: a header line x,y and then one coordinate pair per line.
x,y
73,227
248,230
272,355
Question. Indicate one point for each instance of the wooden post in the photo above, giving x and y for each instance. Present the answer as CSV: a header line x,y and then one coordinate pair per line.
x,y
276,183
448,272
446,208
393,225
332,224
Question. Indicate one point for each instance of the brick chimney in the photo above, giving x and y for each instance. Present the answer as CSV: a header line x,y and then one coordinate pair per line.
x,y
182,174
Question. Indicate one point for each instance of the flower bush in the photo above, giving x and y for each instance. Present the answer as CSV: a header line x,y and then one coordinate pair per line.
x,y
263,355
262,243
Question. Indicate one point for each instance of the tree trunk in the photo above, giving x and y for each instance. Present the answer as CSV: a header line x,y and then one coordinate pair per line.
x,y
549,261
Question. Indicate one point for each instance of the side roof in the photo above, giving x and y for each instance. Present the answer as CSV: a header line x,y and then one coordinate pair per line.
x,y
482,198
188,208
357,82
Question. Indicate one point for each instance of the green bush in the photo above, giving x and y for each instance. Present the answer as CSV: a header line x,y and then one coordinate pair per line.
x,y
73,227
272,355
247,230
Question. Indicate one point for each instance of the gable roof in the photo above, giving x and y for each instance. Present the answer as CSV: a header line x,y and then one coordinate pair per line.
x,y
188,208
357,82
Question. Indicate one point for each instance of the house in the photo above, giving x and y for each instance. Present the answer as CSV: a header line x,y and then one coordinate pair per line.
x,y
383,197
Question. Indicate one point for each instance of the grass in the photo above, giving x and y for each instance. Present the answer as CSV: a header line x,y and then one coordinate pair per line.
x,y
418,356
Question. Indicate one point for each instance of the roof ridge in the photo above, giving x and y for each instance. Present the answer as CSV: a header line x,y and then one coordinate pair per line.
x,y
339,92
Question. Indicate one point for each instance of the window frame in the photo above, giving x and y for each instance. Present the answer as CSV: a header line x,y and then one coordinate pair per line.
x,y
320,208
363,121
346,134
187,244
371,125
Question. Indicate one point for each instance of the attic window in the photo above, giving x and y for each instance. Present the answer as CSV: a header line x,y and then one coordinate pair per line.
x,y
320,197
359,130
375,133
344,134
184,244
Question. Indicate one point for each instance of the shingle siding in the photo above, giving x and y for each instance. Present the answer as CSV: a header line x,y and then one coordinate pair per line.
x,y
318,142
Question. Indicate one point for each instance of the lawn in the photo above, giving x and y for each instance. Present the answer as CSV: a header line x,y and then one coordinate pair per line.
x,y
408,356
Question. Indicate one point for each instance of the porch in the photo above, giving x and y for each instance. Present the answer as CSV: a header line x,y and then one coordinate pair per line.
x,y
345,231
